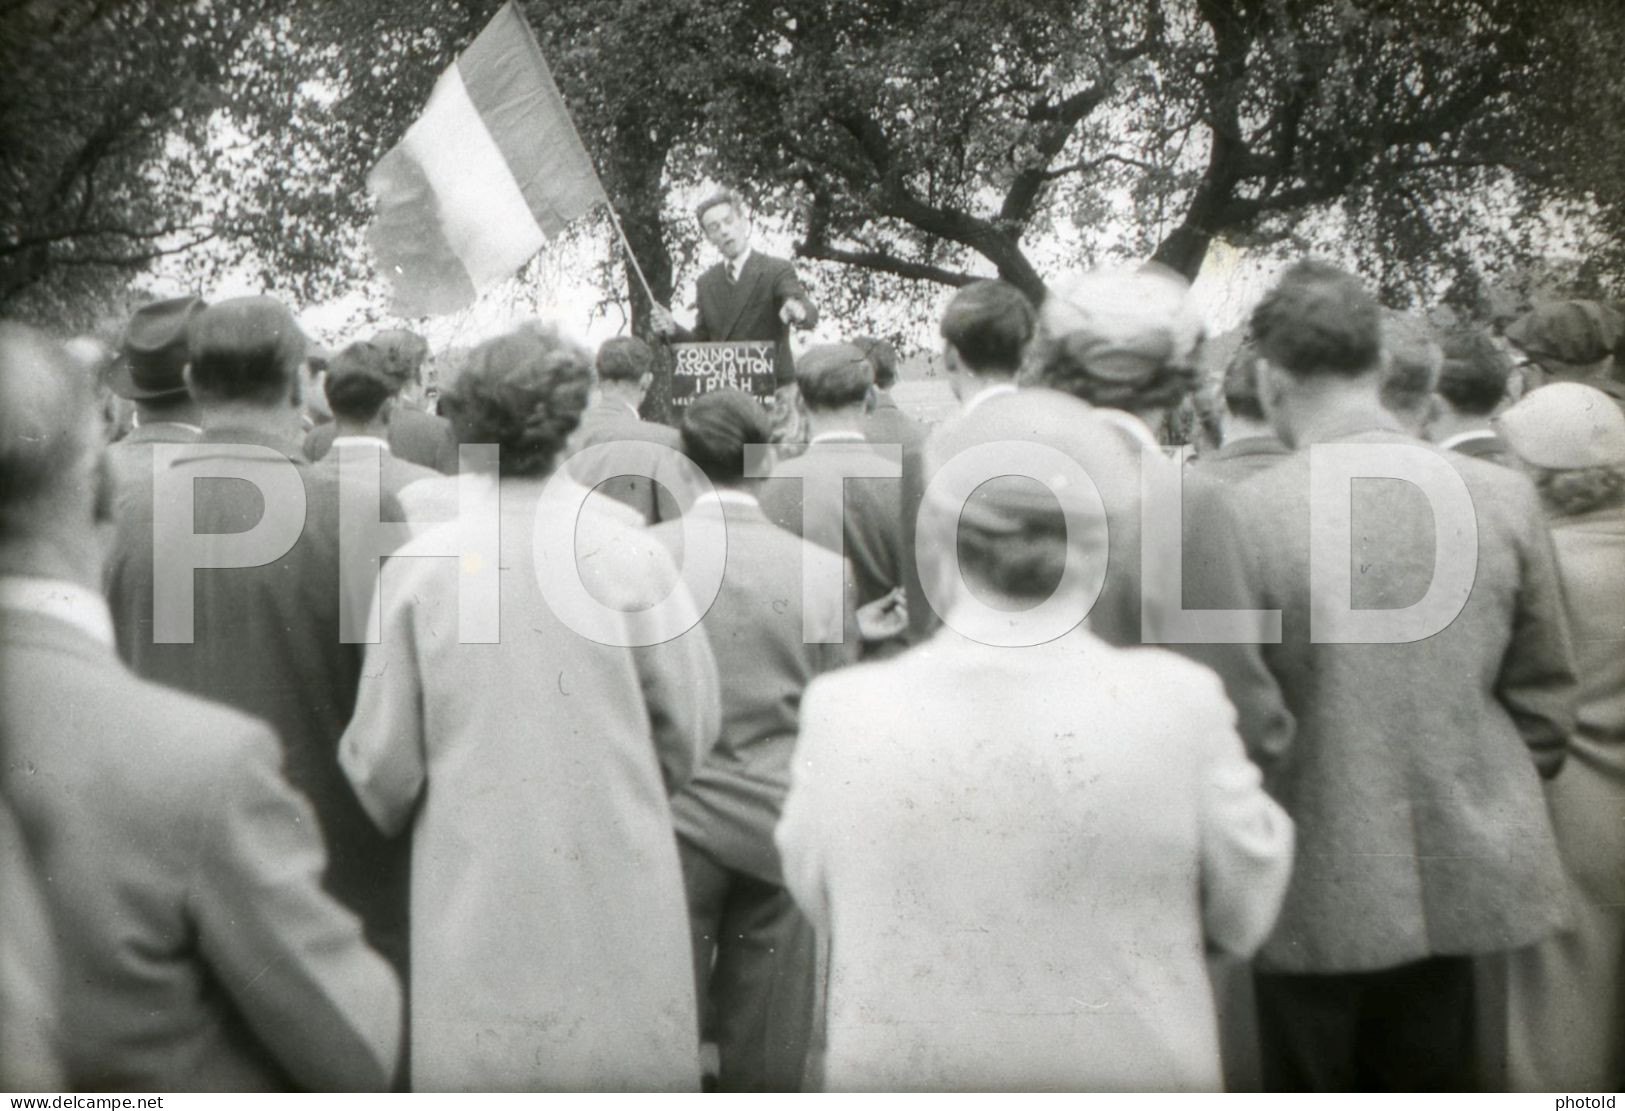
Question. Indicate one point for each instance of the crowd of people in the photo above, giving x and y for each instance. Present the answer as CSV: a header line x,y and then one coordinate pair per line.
x,y
281,816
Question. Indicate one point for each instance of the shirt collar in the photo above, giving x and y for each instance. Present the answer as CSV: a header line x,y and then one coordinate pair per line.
x,y
1265,444
720,496
346,441
839,438
615,405
986,392
219,441
137,422
1464,437
1345,423
64,601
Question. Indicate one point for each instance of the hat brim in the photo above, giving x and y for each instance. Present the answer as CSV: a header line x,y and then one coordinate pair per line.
x,y
121,382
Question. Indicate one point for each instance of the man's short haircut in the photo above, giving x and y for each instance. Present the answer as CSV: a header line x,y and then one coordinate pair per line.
x,y
1474,377
717,427
1319,320
1412,373
405,352
46,424
245,349
721,196
882,356
834,376
625,359
1241,383
523,392
990,323
358,383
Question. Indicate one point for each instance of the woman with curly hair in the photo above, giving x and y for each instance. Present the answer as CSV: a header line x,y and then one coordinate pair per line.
x,y
550,945
1566,995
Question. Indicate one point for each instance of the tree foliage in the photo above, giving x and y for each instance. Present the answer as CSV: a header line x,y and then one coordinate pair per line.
x,y
923,135
104,125
908,143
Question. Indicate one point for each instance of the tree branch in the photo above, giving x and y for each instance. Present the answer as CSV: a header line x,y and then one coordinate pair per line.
x,y
886,263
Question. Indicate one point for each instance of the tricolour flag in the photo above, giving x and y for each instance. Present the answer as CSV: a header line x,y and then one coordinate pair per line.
x,y
490,172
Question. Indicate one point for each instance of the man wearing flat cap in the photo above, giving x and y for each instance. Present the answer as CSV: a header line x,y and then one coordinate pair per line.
x,y
1572,341
834,380
198,951
150,371
265,639
753,950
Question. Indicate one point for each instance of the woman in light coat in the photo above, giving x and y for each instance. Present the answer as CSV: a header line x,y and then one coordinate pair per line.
x,y
1015,855
1566,995
550,946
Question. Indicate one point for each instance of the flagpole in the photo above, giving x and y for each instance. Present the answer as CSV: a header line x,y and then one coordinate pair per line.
x,y
619,231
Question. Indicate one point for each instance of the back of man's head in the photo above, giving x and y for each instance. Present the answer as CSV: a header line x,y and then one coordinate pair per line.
x,y
48,429
883,357
358,383
1473,379
834,376
248,349
624,359
404,354
989,324
1319,321
716,429
1412,370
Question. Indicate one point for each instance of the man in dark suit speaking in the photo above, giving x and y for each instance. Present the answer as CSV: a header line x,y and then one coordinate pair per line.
x,y
746,296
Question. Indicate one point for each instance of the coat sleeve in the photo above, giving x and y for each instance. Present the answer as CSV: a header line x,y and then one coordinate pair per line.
x,y
803,824
291,958
1246,838
1537,683
1219,574
681,690
787,287
382,750
703,331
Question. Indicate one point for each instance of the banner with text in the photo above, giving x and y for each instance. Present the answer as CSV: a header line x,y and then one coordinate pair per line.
x,y
742,365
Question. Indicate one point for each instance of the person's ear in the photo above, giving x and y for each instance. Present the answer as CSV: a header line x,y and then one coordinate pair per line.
x,y
105,490
1271,388
386,411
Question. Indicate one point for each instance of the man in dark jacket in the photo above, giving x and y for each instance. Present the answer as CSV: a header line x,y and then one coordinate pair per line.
x,y
1472,386
198,950
415,435
1414,775
266,638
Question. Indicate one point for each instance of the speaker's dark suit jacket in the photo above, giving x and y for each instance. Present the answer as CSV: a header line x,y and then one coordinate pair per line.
x,y
749,308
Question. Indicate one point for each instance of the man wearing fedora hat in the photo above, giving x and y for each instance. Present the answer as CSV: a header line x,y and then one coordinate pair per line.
x,y
150,371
